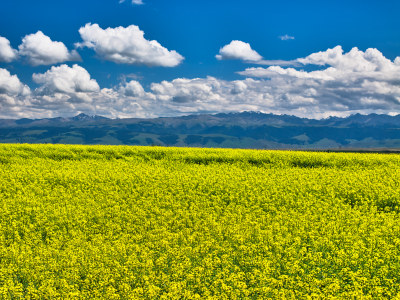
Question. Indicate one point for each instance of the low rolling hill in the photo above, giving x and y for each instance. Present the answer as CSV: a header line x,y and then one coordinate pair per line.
x,y
233,130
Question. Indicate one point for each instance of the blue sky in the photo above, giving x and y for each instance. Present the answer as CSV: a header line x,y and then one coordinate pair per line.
x,y
182,75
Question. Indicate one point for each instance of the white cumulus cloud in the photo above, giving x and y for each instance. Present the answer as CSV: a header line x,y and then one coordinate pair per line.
x,y
238,50
372,60
11,85
127,45
39,49
14,95
74,82
7,54
132,88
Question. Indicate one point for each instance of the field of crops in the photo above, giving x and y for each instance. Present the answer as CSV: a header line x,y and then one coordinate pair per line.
x,y
114,222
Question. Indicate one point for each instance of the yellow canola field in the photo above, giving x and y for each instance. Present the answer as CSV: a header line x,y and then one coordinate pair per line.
x,y
119,222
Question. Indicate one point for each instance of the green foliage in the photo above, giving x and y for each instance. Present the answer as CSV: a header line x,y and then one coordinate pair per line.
x,y
119,222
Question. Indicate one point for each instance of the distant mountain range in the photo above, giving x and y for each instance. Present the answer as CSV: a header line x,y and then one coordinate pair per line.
x,y
233,130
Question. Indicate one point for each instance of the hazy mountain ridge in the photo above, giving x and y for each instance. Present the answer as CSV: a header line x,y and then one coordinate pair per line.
x,y
235,130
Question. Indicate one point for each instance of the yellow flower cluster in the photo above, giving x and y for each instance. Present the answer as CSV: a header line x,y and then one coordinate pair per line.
x,y
119,222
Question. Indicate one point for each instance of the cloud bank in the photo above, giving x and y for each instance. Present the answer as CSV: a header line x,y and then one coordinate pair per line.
x,y
352,81
345,83
127,45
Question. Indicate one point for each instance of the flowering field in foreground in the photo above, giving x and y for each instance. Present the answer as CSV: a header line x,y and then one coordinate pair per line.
x,y
115,222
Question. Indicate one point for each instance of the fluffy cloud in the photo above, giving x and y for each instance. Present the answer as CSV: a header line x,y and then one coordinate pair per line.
x,y
11,85
238,50
14,95
74,82
39,49
127,45
243,51
132,88
356,61
7,54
